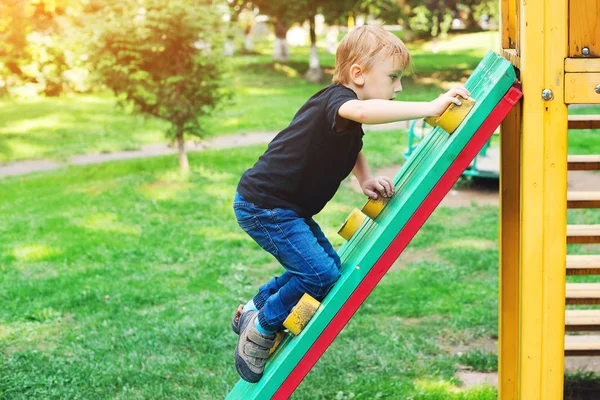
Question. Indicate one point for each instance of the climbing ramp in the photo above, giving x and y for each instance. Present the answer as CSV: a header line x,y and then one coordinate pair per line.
x,y
420,184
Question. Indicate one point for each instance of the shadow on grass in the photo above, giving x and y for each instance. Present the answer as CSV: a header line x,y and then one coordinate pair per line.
x,y
478,184
582,386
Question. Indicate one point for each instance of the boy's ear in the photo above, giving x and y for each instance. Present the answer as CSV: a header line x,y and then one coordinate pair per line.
x,y
356,75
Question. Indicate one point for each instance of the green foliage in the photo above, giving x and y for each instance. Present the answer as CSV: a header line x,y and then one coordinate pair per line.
x,y
37,44
582,385
163,58
431,18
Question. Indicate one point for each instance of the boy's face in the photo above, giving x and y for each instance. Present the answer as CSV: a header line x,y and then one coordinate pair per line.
x,y
383,81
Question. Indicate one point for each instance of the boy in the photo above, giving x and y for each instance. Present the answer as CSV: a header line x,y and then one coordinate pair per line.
x,y
302,169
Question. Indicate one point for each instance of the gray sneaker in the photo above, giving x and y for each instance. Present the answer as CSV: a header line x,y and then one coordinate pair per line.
x,y
235,321
252,349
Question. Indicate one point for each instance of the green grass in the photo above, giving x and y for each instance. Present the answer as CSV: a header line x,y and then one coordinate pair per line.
x,y
61,127
118,281
581,386
480,361
584,141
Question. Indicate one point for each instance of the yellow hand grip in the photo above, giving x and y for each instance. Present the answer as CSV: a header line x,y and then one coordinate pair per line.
x,y
351,224
301,314
453,116
373,207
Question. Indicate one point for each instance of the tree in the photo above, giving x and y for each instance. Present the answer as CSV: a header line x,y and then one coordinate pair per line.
x,y
163,58
39,43
283,15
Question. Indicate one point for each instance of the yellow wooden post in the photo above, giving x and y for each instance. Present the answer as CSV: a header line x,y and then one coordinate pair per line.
x,y
508,324
543,35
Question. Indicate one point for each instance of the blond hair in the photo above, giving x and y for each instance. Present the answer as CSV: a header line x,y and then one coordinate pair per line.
x,y
361,45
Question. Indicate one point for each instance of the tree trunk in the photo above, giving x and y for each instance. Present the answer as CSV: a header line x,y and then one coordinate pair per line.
x,y
280,50
314,73
228,48
248,44
471,24
331,39
183,159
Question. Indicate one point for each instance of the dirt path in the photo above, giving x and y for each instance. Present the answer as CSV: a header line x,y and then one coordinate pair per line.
x,y
152,150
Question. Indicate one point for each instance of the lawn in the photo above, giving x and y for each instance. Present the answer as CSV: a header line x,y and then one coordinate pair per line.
x,y
119,280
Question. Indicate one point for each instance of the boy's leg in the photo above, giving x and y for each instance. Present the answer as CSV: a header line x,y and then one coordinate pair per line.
x,y
323,241
311,268
310,261
270,288
300,246
276,283
258,301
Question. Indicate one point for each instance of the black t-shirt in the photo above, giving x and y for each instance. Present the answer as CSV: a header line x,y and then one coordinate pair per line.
x,y
305,163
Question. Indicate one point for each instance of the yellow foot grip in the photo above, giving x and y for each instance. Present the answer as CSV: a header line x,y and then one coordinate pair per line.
x,y
301,314
453,116
351,224
279,336
374,207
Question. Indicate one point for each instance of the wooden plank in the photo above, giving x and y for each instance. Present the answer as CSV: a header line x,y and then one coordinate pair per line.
x,y
512,56
584,27
583,293
584,162
509,24
504,23
580,88
376,245
583,234
588,264
543,197
582,320
508,321
584,121
582,345
583,199
582,65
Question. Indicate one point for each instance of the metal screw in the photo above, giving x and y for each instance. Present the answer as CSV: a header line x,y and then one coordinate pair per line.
x,y
585,51
547,94
597,89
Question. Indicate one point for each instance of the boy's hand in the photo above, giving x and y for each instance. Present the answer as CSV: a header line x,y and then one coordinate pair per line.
x,y
439,105
378,186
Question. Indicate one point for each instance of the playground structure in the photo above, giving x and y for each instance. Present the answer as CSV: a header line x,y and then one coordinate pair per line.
x,y
377,234
554,46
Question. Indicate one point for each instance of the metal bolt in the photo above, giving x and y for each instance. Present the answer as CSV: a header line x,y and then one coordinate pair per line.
x,y
597,89
547,94
585,51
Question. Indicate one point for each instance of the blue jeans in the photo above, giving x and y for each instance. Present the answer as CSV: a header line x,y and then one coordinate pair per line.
x,y
311,264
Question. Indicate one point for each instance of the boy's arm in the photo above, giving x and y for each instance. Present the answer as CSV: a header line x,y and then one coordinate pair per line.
x,y
369,184
376,111
361,168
